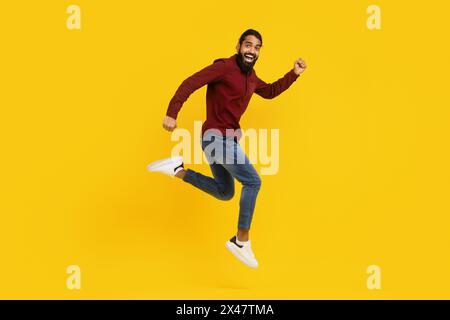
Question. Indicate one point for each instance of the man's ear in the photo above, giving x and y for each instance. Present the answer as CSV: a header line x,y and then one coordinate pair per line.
x,y
238,46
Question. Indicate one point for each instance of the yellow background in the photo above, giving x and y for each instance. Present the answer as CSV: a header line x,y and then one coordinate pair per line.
x,y
364,156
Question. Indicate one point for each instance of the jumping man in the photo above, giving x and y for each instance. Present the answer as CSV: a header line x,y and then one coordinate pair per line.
x,y
231,82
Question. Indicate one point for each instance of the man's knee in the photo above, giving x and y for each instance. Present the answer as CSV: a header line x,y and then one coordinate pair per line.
x,y
227,194
254,182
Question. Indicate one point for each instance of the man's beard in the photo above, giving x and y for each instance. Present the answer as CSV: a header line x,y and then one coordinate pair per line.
x,y
243,65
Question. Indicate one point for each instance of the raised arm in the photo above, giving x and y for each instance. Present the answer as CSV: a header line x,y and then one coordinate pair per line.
x,y
271,90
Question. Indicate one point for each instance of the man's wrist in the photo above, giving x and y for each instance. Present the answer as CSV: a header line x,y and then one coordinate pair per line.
x,y
173,116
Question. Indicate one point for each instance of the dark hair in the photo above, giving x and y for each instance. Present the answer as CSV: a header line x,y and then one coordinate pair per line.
x,y
250,32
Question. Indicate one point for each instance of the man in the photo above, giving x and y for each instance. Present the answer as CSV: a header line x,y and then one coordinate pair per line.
x,y
231,83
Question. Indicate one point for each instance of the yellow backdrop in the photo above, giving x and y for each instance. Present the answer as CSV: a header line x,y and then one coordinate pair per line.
x,y
364,151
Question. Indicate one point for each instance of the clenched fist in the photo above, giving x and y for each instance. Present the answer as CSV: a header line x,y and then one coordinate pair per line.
x,y
169,123
299,66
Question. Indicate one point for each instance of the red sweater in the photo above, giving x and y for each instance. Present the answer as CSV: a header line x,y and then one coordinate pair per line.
x,y
228,93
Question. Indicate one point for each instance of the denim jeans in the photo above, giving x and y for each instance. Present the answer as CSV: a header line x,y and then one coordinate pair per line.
x,y
228,162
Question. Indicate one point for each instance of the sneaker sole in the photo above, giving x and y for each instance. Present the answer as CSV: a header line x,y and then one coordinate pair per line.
x,y
232,248
161,163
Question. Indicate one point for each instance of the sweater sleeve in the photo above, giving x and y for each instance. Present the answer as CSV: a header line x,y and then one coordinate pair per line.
x,y
271,90
209,74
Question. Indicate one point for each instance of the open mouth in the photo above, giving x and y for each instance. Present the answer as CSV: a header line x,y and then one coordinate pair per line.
x,y
249,58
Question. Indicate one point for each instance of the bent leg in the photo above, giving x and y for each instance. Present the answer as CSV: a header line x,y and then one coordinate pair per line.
x,y
220,187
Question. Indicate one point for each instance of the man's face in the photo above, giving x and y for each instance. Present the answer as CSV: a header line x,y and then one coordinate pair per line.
x,y
249,50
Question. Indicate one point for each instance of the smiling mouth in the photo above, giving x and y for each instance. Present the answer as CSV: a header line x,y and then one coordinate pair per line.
x,y
249,58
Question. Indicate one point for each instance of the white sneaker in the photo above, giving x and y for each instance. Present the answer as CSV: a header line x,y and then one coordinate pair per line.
x,y
242,251
169,166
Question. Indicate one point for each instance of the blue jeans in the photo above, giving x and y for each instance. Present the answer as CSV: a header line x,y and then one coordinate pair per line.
x,y
228,161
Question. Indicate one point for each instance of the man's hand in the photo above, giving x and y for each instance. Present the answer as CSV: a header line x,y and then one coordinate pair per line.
x,y
299,66
169,123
